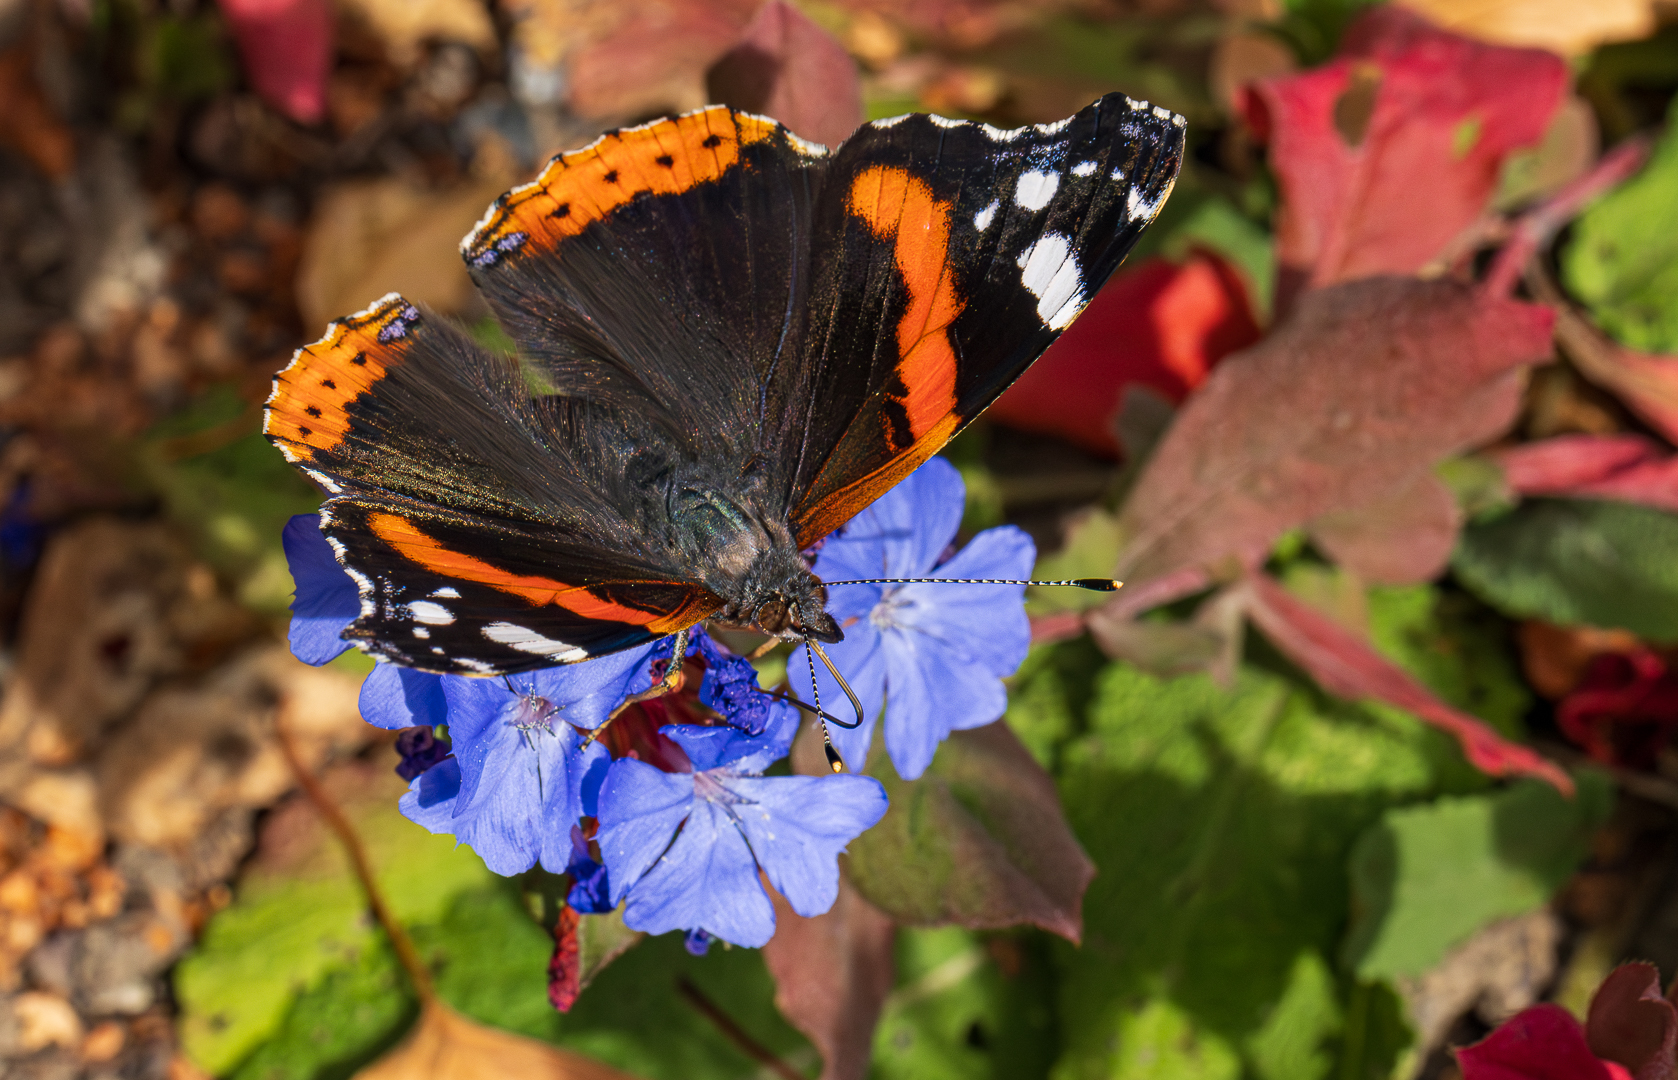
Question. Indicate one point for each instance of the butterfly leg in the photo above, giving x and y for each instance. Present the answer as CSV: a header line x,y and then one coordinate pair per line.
x,y
671,683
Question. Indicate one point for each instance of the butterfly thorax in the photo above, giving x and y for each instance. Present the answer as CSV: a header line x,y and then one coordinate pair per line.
x,y
746,554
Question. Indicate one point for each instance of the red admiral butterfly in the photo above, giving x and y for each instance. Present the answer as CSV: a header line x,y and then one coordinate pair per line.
x,y
731,341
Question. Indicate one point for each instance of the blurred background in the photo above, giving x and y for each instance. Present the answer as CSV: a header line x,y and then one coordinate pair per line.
x,y
1290,883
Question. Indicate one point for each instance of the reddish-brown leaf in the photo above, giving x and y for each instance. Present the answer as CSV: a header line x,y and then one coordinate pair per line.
x,y
1160,325
286,46
788,68
1389,151
1361,390
832,974
1346,665
980,841
1631,1022
1540,1043
652,57
564,969
1627,468
1400,539
1648,384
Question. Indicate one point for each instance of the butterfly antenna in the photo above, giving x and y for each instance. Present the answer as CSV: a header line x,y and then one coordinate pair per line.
x,y
834,761
1093,584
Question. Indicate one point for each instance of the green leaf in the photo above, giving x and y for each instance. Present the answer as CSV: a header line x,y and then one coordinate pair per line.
x,y
1572,561
1050,693
979,841
1219,822
1092,548
1425,878
1623,259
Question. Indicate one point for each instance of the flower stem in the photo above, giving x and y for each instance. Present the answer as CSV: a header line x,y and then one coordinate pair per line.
x,y
734,1032
340,825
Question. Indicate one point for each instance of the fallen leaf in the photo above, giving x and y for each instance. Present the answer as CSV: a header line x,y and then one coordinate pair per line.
x,y
1402,538
287,49
1629,468
1390,150
1543,1043
1358,393
979,841
45,1020
370,237
832,976
1347,666
27,123
1159,325
405,26
444,1045
1631,1022
788,68
1561,26
1503,968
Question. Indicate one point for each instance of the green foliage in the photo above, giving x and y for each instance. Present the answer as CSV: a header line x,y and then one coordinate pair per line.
x,y
1220,822
1572,561
1623,261
1424,878
1051,693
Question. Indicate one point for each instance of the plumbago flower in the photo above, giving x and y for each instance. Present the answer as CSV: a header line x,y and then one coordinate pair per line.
x,y
680,842
929,657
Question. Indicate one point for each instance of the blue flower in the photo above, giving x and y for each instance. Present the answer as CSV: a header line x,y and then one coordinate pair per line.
x,y
591,892
931,657
520,774
326,599
686,848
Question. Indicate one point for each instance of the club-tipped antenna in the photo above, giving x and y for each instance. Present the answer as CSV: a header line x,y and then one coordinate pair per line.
x,y
1093,584
813,649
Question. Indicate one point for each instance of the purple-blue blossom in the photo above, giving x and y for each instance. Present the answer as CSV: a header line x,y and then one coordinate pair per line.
x,y
684,849
326,599
929,657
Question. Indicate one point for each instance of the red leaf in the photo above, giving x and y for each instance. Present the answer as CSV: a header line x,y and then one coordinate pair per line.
x,y
654,56
1625,708
1389,151
287,49
1361,390
1629,468
1159,325
1347,666
788,68
832,974
1632,1023
564,970
1648,384
1540,1043
1401,539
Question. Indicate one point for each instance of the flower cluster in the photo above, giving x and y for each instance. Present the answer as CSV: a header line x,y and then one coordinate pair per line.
x,y
670,813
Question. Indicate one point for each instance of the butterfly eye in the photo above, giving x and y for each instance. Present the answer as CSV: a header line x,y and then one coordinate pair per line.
x,y
773,615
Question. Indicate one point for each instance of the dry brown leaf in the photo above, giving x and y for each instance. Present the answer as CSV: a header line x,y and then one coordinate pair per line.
x,y
1569,27
371,237
444,1045
406,25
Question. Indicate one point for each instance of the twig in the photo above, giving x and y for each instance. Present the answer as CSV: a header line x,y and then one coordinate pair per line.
x,y
734,1032
403,945
1535,228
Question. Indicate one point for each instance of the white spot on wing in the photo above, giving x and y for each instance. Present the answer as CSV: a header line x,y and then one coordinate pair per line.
x,y
1162,112
447,592
1035,189
997,134
1137,105
431,614
1140,208
946,122
1178,121
1084,168
1055,128
421,632
890,121
527,640
1050,271
472,665
983,218
1118,175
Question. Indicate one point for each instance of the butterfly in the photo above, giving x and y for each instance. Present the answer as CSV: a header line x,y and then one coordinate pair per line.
x,y
729,342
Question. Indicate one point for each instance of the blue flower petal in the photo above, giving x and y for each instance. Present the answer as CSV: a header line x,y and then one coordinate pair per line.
x,y
640,808
935,689
326,599
798,825
707,881
431,796
988,622
585,693
861,658
709,747
905,530
395,697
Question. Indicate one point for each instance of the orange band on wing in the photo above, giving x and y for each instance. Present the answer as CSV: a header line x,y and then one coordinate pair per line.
x,y
663,158
308,408
421,549
898,206
849,500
